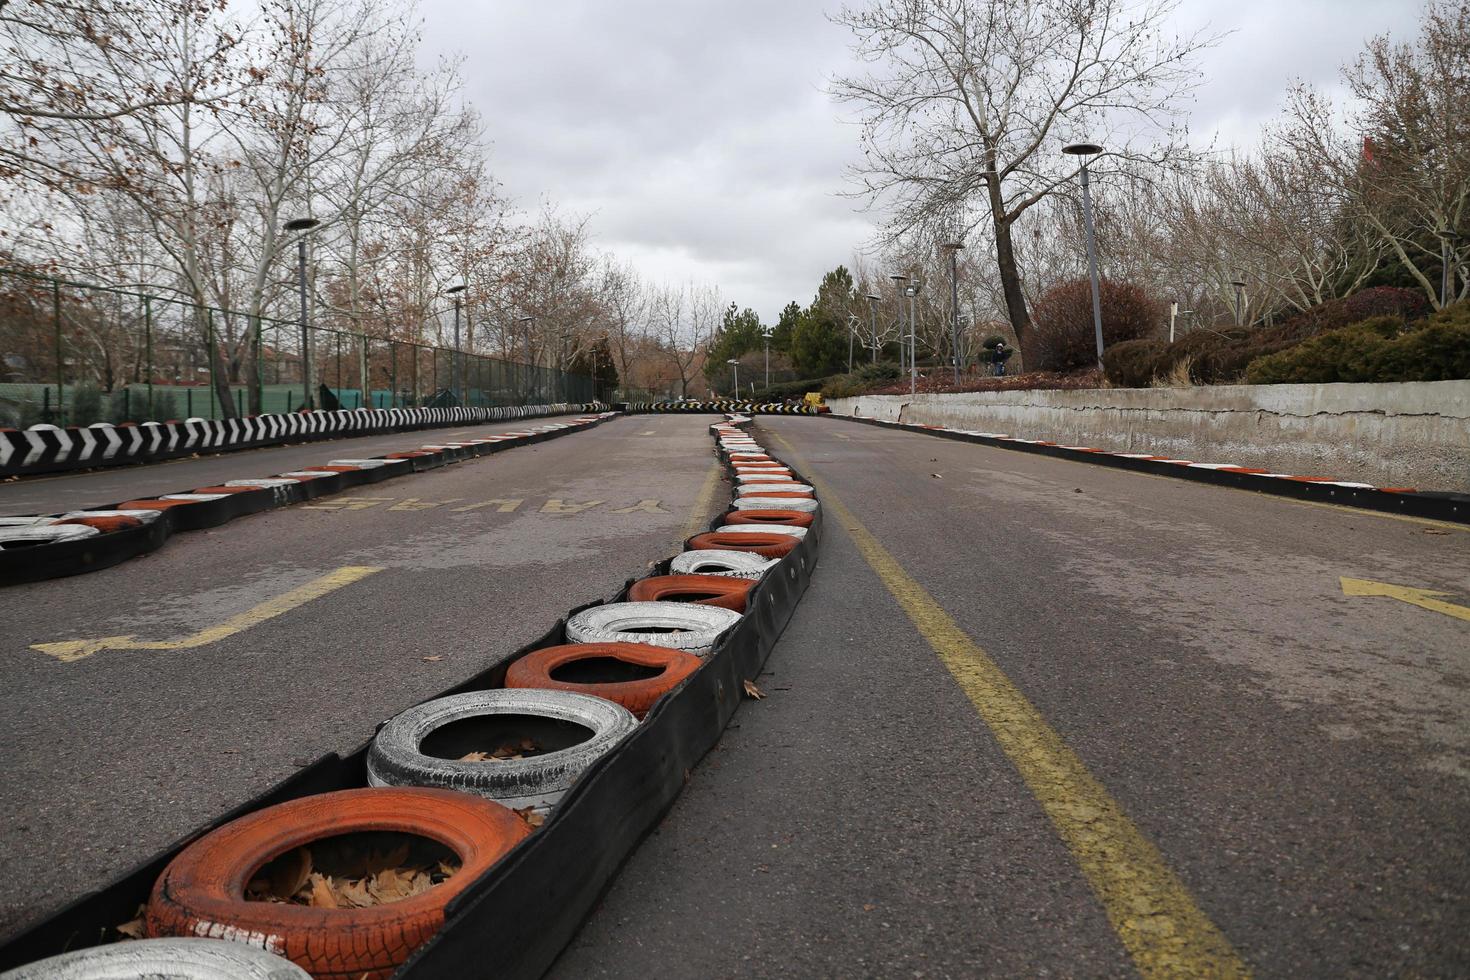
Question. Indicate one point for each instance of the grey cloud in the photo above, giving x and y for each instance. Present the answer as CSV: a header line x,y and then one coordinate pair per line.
x,y
700,137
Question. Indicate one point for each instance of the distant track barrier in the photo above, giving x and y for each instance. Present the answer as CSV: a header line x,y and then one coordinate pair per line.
x,y
720,406
51,449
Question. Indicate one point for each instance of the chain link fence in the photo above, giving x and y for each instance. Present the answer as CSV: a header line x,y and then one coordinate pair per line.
x,y
74,353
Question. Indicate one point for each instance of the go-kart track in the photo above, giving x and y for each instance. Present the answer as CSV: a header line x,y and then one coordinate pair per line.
x,y
1031,716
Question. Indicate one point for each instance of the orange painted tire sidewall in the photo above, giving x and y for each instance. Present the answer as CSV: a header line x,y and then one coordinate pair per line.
x,y
534,671
724,592
787,518
765,545
201,892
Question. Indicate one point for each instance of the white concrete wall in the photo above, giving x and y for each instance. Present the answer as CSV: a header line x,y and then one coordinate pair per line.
x,y
1414,434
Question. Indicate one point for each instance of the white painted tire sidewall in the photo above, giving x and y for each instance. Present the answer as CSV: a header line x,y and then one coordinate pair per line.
x,y
627,622
732,564
175,959
795,532
394,759
805,505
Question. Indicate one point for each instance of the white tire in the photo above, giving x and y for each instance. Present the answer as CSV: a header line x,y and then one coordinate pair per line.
x,y
772,488
734,564
806,505
693,628
795,532
35,535
396,759
163,959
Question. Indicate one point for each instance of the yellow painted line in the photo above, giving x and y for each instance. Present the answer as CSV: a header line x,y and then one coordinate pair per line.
x,y
1423,598
69,650
1164,931
703,504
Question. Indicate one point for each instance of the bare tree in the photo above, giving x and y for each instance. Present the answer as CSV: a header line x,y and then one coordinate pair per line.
x,y
967,103
1403,159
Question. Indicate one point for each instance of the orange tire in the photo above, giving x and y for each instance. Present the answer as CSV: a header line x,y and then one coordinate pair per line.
x,y
705,590
225,489
534,670
152,504
790,518
765,545
202,891
335,469
104,524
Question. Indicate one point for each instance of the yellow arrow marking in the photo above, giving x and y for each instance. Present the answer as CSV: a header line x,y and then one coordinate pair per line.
x,y
1423,598
69,650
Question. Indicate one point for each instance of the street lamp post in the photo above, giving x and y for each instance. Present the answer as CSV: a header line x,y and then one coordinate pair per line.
x,y
530,368
898,281
454,385
766,336
1239,285
735,367
302,225
562,369
1085,150
912,293
954,299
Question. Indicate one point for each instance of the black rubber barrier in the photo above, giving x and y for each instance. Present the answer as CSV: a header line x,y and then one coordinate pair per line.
x,y
1437,505
101,551
518,917
717,405
75,448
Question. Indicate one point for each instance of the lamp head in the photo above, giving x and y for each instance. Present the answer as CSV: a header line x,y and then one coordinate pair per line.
x,y
455,289
953,246
1082,149
301,224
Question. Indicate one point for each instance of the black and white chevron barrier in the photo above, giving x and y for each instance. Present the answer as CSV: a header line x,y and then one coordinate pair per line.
x,y
724,406
50,448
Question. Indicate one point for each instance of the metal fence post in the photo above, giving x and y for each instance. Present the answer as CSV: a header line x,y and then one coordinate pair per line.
x,y
259,371
209,353
148,345
60,371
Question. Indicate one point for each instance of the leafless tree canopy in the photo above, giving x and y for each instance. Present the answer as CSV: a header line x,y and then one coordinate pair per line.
x,y
967,104
166,143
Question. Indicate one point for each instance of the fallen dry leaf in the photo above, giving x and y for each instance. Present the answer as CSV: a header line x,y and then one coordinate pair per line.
x,y
532,816
1435,530
936,476
133,928
322,895
868,907
753,692
431,660
474,757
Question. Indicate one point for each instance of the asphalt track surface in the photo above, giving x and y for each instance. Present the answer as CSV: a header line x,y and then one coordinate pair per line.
x,y
1296,758
114,484
114,756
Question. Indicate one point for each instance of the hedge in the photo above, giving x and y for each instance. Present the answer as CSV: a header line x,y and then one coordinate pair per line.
x,y
1380,349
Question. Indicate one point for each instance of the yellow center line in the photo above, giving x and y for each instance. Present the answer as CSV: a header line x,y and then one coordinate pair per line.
x,y
1150,909
703,504
69,650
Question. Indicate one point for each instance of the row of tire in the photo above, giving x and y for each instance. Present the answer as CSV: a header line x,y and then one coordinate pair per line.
x,y
421,784
31,531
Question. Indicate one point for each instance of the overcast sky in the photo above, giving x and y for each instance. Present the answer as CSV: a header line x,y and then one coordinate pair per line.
x,y
699,136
